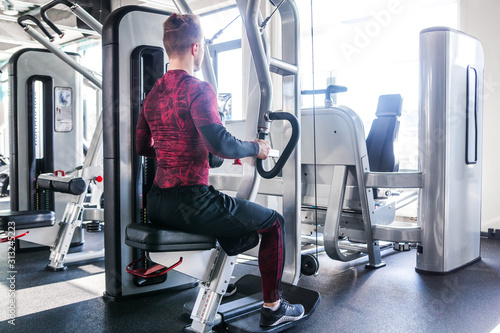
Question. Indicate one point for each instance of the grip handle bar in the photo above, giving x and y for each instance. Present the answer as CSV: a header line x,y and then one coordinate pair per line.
x,y
23,25
287,152
46,18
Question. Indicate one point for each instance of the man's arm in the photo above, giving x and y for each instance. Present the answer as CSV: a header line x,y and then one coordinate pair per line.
x,y
222,143
144,142
217,139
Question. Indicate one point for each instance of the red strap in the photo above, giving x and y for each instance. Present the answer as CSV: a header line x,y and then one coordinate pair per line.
x,y
153,269
7,239
157,269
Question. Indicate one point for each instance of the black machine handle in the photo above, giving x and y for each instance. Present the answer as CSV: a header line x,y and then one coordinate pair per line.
x,y
287,152
46,18
23,18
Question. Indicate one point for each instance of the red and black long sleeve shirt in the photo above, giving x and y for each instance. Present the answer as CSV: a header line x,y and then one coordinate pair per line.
x,y
179,124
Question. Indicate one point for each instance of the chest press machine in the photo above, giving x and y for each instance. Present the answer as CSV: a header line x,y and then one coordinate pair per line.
x,y
42,139
133,60
47,132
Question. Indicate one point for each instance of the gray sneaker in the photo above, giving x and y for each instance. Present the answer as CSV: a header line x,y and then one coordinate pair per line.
x,y
285,313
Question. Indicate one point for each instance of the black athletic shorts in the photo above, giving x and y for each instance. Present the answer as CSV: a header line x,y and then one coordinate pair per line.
x,y
202,209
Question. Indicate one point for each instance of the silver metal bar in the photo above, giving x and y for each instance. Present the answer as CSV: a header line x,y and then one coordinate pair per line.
x,y
334,212
394,179
67,59
204,312
361,248
367,202
292,174
353,247
261,63
320,249
250,181
95,145
69,224
87,18
182,6
206,66
312,240
281,67
405,199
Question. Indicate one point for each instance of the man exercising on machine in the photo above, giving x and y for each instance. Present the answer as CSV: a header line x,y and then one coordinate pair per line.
x,y
179,125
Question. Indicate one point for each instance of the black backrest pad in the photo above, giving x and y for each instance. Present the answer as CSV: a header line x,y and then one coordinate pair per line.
x,y
383,134
154,238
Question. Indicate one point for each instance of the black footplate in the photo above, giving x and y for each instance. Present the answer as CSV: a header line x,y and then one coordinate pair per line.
x,y
241,311
250,322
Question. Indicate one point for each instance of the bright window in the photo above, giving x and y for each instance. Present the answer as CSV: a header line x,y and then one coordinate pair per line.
x,y
214,22
227,59
230,82
371,47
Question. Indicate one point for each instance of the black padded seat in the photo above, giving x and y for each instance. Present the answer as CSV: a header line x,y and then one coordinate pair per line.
x,y
27,219
153,238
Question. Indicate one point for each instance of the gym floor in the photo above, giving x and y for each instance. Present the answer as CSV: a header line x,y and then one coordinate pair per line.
x,y
391,299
